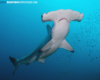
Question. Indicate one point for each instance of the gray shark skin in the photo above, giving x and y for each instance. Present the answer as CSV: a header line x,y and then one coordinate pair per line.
x,y
35,55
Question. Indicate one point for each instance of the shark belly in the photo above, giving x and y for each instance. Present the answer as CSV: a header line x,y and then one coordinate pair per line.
x,y
60,31
53,49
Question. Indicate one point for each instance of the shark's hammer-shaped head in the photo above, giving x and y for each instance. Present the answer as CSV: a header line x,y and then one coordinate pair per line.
x,y
74,15
68,14
50,16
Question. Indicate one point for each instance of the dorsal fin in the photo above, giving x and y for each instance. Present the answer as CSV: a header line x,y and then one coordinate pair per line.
x,y
49,29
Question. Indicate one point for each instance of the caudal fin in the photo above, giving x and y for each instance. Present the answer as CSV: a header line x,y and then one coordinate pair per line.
x,y
15,63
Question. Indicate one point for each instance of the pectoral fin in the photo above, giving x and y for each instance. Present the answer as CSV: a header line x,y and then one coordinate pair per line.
x,y
41,60
66,46
47,46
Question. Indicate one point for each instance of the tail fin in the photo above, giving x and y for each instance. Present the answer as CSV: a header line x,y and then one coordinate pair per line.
x,y
15,63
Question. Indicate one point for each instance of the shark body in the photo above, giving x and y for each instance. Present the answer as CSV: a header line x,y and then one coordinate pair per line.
x,y
35,55
60,30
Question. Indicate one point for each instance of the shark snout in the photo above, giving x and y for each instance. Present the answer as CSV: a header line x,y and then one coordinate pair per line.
x,y
44,17
81,17
41,17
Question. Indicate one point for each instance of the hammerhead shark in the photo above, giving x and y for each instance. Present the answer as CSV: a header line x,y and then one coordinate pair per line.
x,y
35,55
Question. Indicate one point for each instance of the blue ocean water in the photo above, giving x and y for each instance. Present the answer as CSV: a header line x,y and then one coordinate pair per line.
x,y
21,30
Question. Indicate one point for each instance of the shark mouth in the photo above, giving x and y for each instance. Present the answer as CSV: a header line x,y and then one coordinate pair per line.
x,y
64,19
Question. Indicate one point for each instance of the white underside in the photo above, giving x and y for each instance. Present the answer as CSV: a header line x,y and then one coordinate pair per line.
x,y
59,32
